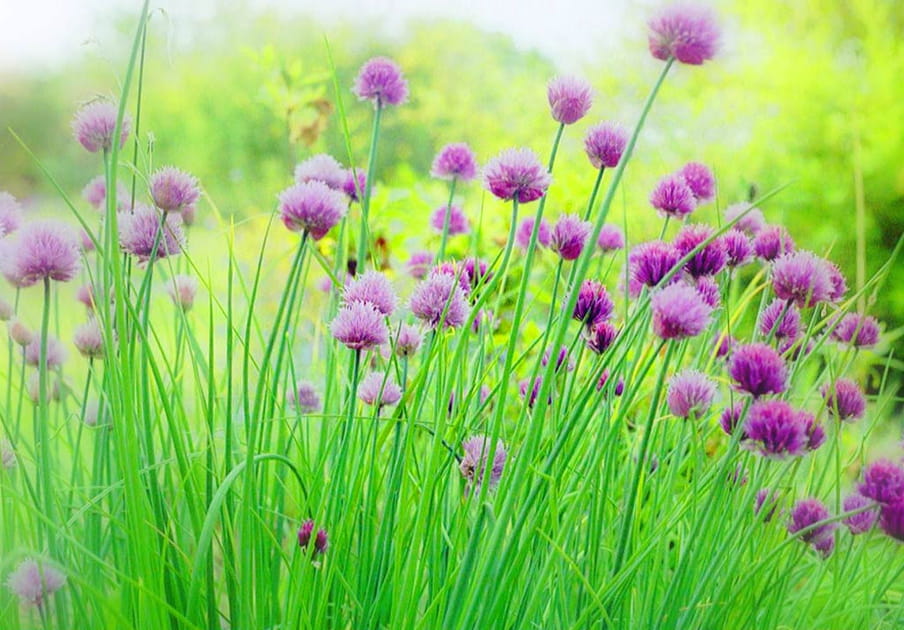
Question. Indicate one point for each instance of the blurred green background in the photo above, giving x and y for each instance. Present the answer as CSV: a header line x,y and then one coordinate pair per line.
x,y
805,94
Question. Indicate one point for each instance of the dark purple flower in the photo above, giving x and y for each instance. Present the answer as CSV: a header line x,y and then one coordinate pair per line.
x,y
709,259
701,181
380,81
604,144
360,326
752,220
780,320
529,393
42,250
95,123
672,197
440,300
561,359
419,264
455,161
476,462
690,394
354,183
458,221
569,99
861,522
321,168
373,288
619,388
569,235
593,306
801,277
650,262
766,503
311,207
174,190
600,336
892,520
611,238
526,227
306,532
861,331
688,33
475,271
738,248
727,345
679,312
883,481
777,429
516,174
758,370
844,399
806,513
771,242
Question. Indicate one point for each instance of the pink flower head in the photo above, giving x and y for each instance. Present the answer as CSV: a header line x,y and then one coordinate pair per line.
x,y
569,235
6,310
95,192
408,340
679,312
709,291
182,290
758,369
861,522
375,392
476,272
140,232
10,214
611,238
380,81
771,242
516,174
42,249
476,464
174,190
780,320
593,306
562,358
672,197
839,284
360,326
458,221
690,394
650,262
373,288
688,33
701,181
19,332
33,582
56,354
892,520
321,168
883,481
33,388
752,220
569,99
618,389
311,207
807,513
306,533
709,259
455,161
354,184
777,430
94,124
730,418
604,144
419,264
801,277
738,248
440,300
304,397
860,331
526,227
89,340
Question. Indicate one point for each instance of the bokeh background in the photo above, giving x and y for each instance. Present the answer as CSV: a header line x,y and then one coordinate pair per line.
x,y
806,95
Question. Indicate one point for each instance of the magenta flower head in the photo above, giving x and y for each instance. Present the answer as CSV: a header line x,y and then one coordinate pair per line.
x,y
306,533
688,33
529,392
304,397
844,399
725,345
672,197
593,306
311,207
43,250
839,284
752,220
354,184
476,465
801,277
360,326
373,288
89,340
650,262
892,520
380,81
771,242
605,144
709,290
679,312
730,417
766,503
690,394
883,481
10,214
182,290
758,369
32,583
570,99
600,337
700,180
780,320
738,248
458,221
861,522
56,354
94,124
419,264
569,236
777,430
860,331
322,168
377,393
562,358
516,174
440,300
408,340
709,259
455,161
526,227
611,238
140,233
174,190
619,387
807,513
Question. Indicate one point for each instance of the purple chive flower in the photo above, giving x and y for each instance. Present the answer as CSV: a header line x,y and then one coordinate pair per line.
x,y
738,248
89,340
10,214
771,242
861,522
801,277
808,512
182,290
373,391
360,326
766,503
650,262
6,310
529,393
440,300
455,270
750,223
730,417
619,388
883,481
455,161
610,239
726,345
419,264
94,124
778,430
892,520
672,197
860,331
844,399
688,33
139,233
569,98
569,236
690,394
458,221
476,463
173,190
709,259
306,533
780,320
32,583
526,227
56,354
593,306
380,81
758,369
709,291
354,184
600,337
34,388
322,168
604,144
311,207
408,340
42,249
679,312
839,284
516,174
373,288
19,333
561,359
304,397
701,181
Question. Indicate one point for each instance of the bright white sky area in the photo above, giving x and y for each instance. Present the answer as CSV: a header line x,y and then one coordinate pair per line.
x,y
37,34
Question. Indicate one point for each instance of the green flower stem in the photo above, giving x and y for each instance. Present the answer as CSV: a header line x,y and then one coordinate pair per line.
x,y
446,218
364,234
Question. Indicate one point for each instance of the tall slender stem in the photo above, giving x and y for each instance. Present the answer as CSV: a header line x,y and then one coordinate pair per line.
x,y
364,234
447,217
